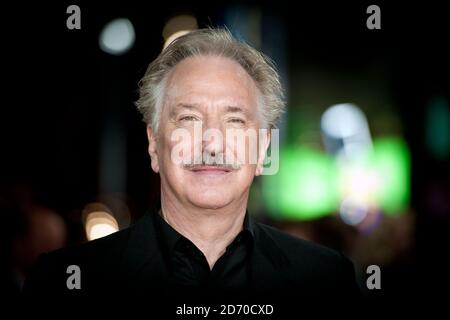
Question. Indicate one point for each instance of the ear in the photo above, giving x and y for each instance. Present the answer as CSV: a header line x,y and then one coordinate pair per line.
x,y
263,146
152,148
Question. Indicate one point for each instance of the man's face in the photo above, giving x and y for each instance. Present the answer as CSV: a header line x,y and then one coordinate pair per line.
x,y
205,98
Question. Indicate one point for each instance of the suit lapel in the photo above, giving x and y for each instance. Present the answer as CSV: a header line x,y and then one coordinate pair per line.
x,y
266,265
142,264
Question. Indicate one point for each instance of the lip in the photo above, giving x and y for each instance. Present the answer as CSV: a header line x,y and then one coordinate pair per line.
x,y
210,170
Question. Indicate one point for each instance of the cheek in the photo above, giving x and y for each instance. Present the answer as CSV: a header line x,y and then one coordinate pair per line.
x,y
243,149
244,176
180,147
249,172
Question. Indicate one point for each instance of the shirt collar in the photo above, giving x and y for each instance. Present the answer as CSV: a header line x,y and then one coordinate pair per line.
x,y
170,237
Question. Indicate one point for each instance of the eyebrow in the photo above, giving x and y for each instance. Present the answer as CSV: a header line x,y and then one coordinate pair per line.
x,y
232,109
183,106
228,109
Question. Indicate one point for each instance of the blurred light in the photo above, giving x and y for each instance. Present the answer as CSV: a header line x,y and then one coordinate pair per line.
x,y
358,181
98,221
392,163
305,186
438,128
310,184
100,230
346,131
379,178
343,120
116,202
177,27
370,222
100,224
353,212
174,36
117,37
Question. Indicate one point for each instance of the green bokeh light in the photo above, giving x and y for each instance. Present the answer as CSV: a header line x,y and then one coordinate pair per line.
x,y
391,160
307,184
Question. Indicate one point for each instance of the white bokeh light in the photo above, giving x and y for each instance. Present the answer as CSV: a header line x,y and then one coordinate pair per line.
x,y
344,121
117,37
353,212
346,131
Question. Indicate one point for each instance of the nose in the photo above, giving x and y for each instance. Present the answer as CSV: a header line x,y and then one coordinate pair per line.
x,y
213,137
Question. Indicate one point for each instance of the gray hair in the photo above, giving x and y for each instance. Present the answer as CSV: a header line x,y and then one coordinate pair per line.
x,y
216,42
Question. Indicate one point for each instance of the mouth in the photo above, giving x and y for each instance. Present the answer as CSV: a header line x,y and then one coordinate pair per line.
x,y
210,170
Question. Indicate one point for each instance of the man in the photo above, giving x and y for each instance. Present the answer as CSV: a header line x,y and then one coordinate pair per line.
x,y
202,244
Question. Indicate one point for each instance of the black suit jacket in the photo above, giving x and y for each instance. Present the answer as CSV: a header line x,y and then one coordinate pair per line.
x,y
129,263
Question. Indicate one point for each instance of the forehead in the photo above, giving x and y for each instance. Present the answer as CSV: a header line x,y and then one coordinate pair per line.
x,y
211,80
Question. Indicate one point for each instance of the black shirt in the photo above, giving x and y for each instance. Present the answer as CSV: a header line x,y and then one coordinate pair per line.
x,y
189,273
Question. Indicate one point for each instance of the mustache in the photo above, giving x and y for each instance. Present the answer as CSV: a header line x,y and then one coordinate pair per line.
x,y
208,159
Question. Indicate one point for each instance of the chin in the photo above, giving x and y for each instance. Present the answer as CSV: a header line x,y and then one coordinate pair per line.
x,y
210,200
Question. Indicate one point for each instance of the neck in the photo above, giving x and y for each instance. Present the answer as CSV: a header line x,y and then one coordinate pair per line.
x,y
211,230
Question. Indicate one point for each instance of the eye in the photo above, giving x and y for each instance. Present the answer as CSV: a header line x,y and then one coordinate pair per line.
x,y
188,118
237,120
